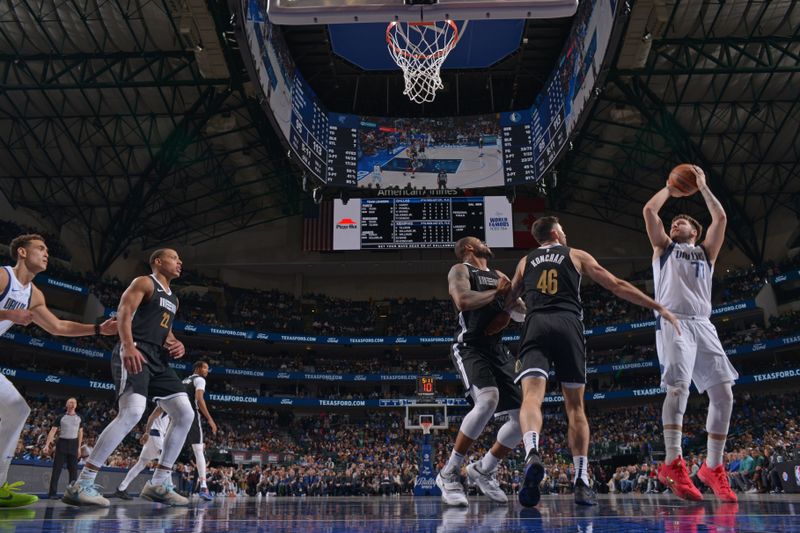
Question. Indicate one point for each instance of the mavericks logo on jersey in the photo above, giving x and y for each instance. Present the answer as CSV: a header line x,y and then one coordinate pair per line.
x,y
11,305
169,306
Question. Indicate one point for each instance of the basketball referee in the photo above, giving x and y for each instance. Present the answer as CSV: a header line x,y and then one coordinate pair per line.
x,y
67,448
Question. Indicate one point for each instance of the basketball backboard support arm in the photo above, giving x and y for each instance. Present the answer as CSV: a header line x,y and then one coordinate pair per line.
x,y
303,12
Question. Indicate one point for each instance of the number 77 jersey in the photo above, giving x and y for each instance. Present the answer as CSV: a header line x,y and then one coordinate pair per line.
x,y
551,281
682,276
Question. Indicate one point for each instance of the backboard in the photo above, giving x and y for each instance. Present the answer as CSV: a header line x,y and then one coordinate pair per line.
x,y
302,12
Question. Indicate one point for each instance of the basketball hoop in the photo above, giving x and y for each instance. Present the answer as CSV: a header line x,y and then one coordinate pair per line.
x,y
420,48
426,426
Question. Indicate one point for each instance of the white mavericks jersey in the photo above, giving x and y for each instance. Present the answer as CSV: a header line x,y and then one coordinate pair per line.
x,y
682,277
16,296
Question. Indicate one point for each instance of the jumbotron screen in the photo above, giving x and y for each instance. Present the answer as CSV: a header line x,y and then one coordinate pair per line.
x,y
463,152
391,223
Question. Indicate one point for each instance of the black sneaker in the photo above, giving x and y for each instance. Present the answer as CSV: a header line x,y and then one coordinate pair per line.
x,y
529,494
122,495
584,495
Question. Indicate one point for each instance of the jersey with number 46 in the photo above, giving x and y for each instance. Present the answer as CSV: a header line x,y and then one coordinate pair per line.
x,y
682,277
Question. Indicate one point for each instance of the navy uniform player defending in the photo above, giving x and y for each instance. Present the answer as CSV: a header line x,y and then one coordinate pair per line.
x,y
139,366
486,368
682,272
548,279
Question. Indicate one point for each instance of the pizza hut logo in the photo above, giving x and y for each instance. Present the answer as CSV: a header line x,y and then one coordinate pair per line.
x,y
347,223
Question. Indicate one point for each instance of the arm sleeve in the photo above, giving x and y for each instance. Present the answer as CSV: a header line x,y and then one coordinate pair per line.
x,y
199,383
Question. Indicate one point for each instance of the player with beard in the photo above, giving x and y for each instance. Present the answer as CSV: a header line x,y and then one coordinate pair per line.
x,y
486,367
682,271
21,303
548,279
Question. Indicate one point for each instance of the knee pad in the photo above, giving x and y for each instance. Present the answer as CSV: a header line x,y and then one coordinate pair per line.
x,y
510,433
720,405
675,403
179,410
131,409
486,400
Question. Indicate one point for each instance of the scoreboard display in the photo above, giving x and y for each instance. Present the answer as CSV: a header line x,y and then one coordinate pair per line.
x,y
516,135
326,143
391,223
513,147
426,386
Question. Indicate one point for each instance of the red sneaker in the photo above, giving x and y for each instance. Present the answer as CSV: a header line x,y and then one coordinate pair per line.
x,y
717,479
675,476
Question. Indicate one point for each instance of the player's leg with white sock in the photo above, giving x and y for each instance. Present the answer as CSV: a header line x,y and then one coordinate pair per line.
x,y
578,431
200,461
181,415
672,417
131,407
720,406
508,437
485,403
14,412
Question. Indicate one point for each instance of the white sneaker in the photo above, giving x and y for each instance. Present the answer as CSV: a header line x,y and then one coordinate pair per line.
x,y
164,493
452,489
84,493
487,483
752,490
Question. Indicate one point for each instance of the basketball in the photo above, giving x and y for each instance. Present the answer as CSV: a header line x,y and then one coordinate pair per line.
x,y
498,323
683,179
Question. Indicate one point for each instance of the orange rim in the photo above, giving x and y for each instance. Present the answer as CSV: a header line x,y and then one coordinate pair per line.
x,y
440,53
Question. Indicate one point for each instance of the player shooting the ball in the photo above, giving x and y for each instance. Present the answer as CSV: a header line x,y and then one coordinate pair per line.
x,y
682,271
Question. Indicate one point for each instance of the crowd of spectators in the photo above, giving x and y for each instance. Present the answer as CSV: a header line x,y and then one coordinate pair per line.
x,y
397,362
371,453
9,230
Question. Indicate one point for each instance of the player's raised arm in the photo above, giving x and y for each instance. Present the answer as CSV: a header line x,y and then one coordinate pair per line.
x,y
465,298
715,235
655,227
588,266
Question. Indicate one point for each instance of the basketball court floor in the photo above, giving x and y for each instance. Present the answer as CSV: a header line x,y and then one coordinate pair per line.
x,y
469,169
615,514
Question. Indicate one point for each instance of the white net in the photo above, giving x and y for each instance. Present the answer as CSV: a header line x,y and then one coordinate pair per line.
x,y
420,48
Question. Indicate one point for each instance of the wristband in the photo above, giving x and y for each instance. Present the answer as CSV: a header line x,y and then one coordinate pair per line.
x,y
96,328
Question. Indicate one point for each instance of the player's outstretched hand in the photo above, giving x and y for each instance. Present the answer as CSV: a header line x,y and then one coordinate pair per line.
x,y
132,359
109,327
176,348
672,319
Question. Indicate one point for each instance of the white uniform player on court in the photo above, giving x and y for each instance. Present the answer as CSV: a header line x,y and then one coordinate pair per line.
x,y
152,443
21,303
682,272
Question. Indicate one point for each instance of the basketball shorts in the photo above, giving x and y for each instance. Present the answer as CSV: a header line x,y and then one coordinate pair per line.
x,y
488,366
152,448
694,355
157,380
553,341
195,435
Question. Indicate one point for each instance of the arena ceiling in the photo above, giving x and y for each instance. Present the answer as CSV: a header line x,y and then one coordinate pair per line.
x,y
135,118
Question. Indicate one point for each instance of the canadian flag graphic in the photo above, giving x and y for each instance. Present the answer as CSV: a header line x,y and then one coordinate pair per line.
x,y
525,211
